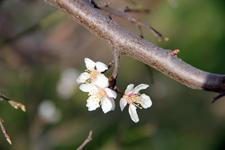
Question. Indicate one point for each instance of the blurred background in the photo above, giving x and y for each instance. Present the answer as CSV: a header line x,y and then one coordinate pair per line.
x,y
41,55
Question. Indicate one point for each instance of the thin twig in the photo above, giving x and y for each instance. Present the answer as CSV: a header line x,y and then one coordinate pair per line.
x,y
115,63
132,2
135,21
6,135
3,97
218,97
136,10
116,59
141,32
30,29
42,23
86,141
125,15
13,103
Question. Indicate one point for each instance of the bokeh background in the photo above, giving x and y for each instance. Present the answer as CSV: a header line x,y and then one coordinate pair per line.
x,y
41,55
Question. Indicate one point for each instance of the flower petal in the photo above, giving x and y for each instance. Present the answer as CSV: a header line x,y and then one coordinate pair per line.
x,y
107,104
140,87
90,64
145,101
83,77
123,103
129,88
92,103
101,67
110,93
101,81
91,88
133,113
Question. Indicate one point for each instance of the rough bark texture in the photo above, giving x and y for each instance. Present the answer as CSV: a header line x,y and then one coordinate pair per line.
x,y
132,45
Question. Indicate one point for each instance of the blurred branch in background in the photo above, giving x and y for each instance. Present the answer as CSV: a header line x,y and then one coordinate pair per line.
x,y
47,21
86,141
15,105
7,137
41,43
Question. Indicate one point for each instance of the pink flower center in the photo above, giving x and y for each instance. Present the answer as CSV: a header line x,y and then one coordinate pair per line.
x,y
131,98
101,93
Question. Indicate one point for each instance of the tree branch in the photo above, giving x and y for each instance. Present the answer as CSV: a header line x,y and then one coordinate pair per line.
x,y
116,59
135,21
86,141
6,135
132,45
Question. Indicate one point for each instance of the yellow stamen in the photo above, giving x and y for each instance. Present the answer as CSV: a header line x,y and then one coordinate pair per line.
x,y
101,93
133,99
93,74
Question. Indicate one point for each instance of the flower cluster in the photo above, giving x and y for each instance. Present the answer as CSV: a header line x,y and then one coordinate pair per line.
x,y
96,84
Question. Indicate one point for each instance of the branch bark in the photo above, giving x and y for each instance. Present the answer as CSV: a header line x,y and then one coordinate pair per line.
x,y
116,59
132,45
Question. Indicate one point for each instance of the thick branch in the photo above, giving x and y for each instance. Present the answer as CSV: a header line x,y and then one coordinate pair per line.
x,y
132,45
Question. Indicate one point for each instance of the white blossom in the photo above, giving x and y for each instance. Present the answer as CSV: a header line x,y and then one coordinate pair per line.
x,y
67,83
93,74
98,96
135,100
96,84
48,111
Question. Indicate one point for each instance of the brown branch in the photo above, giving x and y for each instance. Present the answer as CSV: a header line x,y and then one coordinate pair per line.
x,y
13,103
115,63
116,59
132,45
6,135
139,10
86,141
131,19
222,94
